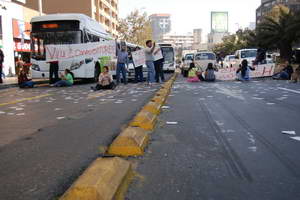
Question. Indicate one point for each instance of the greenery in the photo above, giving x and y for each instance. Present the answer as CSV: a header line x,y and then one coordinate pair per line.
x,y
135,28
279,30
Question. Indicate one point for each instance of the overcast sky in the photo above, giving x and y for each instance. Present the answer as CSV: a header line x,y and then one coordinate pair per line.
x,y
190,14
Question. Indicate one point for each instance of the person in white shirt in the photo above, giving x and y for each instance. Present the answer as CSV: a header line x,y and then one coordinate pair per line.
x,y
150,61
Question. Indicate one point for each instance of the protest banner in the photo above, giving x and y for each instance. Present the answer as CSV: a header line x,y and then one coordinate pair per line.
x,y
139,57
158,55
78,51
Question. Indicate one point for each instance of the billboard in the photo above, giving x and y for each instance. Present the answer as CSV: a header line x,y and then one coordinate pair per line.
x,y
219,22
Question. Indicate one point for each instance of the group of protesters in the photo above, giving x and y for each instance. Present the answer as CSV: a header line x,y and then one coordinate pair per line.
x,y
196,75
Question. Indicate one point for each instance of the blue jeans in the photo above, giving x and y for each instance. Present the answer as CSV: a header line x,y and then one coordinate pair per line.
x,y
139,76
121,69
29,84
151,71
62,83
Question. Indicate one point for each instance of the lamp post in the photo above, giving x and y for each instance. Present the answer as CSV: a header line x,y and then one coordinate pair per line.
x,y
41,7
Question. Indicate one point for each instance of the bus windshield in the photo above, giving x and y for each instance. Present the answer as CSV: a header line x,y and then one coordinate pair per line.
x,y
205,56
189,57
39,40
168,53
249,54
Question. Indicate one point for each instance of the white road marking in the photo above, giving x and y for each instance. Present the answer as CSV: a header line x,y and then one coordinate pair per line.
x,y
172,123
289,132
289,90
270,104
296,138
59,118
21,114
165,107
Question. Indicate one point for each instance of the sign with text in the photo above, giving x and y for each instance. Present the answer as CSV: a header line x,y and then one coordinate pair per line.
x,y
228,74
139,58
95,49
158,54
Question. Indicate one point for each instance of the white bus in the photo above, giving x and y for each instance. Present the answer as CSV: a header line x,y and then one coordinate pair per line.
x,y
168,52
64,29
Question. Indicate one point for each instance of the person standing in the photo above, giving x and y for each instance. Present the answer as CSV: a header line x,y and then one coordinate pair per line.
x,y
54,67
150,61
122,61
1,65
138,70
159,64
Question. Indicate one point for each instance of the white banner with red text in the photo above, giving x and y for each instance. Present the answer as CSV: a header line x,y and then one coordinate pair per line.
x,y
72,51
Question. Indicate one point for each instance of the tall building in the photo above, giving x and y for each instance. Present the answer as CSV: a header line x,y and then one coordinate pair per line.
x,y
161,25
267,6
103,11
219,28
197,33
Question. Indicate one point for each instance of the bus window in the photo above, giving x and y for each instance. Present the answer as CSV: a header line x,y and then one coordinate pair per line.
x,y
168,54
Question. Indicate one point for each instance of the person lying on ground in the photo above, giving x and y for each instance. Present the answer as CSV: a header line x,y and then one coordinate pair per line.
x,y
286,72
243,72
105,81
67,79
192,73
210,73
23,80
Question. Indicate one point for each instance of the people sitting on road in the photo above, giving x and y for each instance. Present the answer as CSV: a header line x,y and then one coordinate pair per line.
x,y
23,80
243,72
210,73
192,73
286,72
105,81
67,79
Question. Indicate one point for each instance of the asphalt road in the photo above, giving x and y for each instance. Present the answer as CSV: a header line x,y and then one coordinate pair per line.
x,y
227,144
48,136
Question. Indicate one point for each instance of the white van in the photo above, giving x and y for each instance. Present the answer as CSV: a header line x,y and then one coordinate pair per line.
x,y
248,54
201,59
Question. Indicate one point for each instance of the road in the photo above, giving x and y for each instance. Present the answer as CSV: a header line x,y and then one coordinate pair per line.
x,y
225,142
48,136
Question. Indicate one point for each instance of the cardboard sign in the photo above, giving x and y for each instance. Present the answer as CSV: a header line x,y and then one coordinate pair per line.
x,y
95,49
139,57
158,55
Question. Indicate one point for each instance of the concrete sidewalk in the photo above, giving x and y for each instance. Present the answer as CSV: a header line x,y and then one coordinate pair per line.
x,y
13,82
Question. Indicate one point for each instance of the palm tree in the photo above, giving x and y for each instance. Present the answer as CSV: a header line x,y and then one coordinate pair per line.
x,y
280,33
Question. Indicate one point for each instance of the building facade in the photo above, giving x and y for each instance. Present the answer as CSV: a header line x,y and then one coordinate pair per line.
x,y
15,33
161,25
267,6
103,11
197,33
179,41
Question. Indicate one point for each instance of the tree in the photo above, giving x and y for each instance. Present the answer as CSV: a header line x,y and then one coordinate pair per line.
x,y
280,30
135,28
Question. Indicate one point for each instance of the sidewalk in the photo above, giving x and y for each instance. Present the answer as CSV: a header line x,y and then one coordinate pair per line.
x,y
13,82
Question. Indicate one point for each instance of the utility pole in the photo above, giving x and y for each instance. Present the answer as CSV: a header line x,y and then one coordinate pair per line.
x,y
40,7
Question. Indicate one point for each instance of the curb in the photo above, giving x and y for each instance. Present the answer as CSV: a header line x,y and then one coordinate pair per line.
x,y
145,120
153,107
131,142
100,181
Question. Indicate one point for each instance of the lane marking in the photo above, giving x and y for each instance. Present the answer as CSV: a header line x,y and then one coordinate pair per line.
x,y
24,99
289,90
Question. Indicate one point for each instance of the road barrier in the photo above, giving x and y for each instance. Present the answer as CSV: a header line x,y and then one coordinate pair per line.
x,y
105,177
131,142
100,181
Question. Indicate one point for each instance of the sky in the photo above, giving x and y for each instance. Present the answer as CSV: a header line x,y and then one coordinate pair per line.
x,y
187,15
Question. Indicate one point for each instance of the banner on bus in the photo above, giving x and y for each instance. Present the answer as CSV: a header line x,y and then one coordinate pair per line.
x,y
138,57
229,74
95,49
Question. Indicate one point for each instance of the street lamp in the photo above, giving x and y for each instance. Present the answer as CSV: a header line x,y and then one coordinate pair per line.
x,y
41,7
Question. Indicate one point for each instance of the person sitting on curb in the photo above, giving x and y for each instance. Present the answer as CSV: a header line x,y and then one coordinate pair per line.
x,y
105,81
192,74
243,72
23,80
210,73
286,72
67,79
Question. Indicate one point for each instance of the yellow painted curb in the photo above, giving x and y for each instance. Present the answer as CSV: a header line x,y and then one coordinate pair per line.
x,y
145,120
131,142
153,107
159,99
100,181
